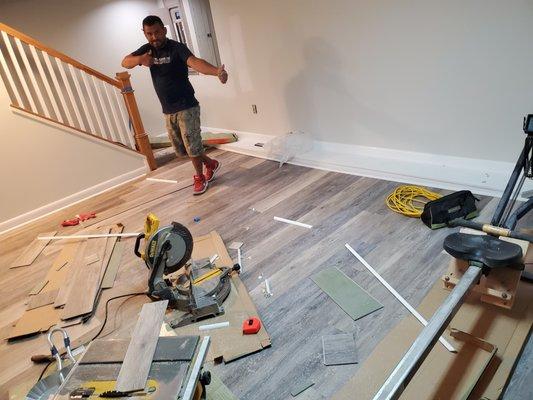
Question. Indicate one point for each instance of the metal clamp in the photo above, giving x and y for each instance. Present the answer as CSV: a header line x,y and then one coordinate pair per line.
x,y
55,351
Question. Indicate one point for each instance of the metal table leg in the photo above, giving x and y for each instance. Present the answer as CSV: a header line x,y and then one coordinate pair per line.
x,y
415,356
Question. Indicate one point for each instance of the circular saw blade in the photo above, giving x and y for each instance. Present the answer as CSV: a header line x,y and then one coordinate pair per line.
x,y
182,244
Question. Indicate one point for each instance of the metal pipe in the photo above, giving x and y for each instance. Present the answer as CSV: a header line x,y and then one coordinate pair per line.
x,y
415,356
502,204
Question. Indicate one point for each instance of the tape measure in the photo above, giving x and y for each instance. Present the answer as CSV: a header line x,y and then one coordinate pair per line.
x,y
251,326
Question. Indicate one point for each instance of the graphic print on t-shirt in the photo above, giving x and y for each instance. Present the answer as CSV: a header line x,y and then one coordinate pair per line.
x,y
162,60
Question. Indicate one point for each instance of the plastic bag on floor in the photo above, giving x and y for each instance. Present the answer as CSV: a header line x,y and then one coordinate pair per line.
x,y
284,148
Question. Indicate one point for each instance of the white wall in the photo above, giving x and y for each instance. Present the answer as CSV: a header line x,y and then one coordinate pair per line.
x,y
450,78
446,77
42,165
99,33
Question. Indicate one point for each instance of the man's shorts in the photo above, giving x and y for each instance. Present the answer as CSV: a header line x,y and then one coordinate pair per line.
x,y
184,132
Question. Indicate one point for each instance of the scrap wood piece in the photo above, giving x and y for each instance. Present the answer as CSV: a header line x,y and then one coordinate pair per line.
x,y
136,366
339,349
398,296
30,253
453,373
41,319
348,295
227,344
42,299
86,283
75,265
110,248
113,266
38,287
34,321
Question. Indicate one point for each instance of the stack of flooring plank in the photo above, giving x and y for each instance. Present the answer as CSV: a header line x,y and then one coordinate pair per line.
x,y
69,293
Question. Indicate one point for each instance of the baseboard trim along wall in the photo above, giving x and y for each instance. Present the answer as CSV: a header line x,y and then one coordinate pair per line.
x,y
72,199
482,177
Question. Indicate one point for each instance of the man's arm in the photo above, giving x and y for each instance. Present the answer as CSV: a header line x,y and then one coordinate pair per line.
x,y
203,67
132,60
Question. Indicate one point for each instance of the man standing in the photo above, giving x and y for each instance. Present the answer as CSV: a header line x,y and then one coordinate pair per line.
x,y
169,63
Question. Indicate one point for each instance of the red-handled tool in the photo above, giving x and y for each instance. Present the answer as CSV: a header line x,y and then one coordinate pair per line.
x,y
78,218
251,326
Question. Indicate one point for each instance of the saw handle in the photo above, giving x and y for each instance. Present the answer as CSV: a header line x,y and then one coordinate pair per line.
x,y
137,244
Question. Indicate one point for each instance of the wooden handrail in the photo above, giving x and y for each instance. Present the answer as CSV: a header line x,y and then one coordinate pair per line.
x,y
63,57
141,138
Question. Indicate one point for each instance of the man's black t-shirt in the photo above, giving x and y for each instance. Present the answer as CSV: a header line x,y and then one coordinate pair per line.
x,y
170,75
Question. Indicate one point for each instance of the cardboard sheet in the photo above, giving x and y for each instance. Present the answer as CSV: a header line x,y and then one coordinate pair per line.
x,y
228,343
451,375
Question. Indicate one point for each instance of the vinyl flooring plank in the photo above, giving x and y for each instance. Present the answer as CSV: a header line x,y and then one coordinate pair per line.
x,y
339,349
32,251
138,359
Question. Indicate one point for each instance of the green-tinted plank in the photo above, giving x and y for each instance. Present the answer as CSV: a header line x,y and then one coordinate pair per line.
x,y
216,390
348,295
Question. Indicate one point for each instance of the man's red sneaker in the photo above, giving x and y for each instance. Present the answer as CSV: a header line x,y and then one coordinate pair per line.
x,y
200,184
211,169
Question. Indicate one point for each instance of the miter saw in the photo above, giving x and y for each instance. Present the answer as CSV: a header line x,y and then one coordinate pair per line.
x,y
166,251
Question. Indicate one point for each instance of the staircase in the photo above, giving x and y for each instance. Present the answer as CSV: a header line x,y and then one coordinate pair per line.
x,y
45,83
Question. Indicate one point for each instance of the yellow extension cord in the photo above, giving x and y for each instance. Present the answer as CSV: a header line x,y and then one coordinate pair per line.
x,y
403,200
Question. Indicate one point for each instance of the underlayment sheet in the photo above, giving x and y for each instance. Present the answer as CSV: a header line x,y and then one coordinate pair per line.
x,y
348,295
443,374
227,343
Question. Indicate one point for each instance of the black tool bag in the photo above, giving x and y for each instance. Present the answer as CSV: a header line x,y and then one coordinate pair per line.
x,y
438,213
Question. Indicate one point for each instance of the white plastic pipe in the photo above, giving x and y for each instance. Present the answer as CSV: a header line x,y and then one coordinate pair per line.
x,y
415,313
213,326
103,235
288,221
161,180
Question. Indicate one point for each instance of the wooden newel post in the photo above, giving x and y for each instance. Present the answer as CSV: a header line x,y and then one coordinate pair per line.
x,y
141,138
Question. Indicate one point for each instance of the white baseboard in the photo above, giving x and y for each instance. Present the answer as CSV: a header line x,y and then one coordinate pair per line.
x,y
483,177
72,199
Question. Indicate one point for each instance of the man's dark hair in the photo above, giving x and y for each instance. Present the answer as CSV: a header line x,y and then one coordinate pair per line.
x,y
152,20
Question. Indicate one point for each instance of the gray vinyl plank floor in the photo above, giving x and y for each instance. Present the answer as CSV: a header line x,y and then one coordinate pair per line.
x,y
342,209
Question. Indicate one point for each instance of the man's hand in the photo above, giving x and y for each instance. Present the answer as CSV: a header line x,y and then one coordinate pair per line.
x,y
146,59
205,68
222,74
131,61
